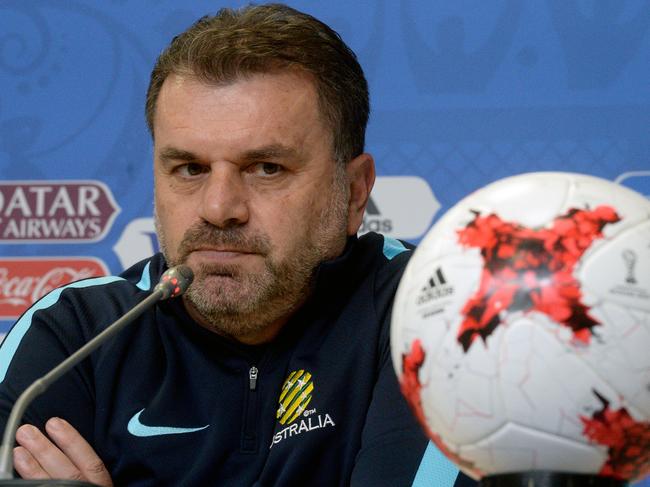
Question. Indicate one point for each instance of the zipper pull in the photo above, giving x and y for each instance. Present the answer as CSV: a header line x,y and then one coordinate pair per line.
x,y
252,377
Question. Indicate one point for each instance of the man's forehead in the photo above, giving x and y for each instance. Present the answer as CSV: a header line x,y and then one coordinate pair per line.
x,y
282,91
285,98
294,76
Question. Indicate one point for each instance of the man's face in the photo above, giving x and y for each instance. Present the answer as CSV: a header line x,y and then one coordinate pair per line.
x,y
248,195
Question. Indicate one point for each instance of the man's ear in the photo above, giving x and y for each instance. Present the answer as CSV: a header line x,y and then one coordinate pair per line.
x,y
361,177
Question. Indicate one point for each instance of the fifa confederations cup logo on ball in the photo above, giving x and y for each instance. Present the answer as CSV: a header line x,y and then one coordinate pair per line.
x,y
520,337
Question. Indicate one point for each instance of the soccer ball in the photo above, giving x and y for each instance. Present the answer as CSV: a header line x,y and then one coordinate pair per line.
x,y
521,328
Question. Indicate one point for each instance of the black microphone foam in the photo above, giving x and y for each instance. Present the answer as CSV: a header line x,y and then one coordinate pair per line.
x,y
175,281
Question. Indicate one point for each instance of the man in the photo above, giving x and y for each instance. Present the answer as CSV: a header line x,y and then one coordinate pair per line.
x,y
274,368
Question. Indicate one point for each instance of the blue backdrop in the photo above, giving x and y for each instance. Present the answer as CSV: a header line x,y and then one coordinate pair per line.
x,y
463,93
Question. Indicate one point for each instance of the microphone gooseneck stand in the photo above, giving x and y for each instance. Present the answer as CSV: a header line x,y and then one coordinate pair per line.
x,y
173,283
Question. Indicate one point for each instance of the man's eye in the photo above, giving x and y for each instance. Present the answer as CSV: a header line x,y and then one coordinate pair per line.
x,y
190,169
268,168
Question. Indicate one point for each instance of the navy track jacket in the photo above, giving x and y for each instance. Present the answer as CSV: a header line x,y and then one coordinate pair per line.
x,y
169,403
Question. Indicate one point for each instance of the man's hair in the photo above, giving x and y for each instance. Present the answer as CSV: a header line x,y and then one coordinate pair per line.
x,y
235,44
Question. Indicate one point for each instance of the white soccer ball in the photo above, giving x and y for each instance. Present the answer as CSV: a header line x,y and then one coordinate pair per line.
x,y
521,328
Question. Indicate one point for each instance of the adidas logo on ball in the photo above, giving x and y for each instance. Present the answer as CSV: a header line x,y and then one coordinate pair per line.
x,y
436,287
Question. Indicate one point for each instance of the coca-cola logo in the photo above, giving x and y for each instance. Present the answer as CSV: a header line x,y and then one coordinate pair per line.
x,y
23,281
55,211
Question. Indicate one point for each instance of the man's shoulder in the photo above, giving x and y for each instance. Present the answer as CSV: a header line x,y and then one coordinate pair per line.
x,y
385,248
388,255
145,274
140,277
380,261
100,295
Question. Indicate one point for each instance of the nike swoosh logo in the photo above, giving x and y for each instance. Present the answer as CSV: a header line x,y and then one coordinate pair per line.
x,y
136,428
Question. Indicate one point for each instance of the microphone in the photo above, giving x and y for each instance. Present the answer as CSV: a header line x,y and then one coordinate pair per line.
x,y
173,283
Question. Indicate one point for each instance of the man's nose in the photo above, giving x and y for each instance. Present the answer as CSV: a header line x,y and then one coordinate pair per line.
x,y
224,200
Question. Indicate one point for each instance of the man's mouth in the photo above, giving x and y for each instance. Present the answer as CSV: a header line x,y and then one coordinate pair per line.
x,y
224,252
227,256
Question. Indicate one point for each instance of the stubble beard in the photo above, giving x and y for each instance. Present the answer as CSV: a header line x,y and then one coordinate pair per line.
x,y
241,304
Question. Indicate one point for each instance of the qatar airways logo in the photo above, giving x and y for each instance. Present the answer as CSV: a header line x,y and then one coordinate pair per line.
x,y
55,211
23,281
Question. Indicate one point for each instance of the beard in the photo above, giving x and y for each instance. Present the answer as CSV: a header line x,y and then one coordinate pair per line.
x,y
239,303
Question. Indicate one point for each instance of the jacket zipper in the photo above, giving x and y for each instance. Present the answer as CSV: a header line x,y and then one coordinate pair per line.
x,y
249,436
252,377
